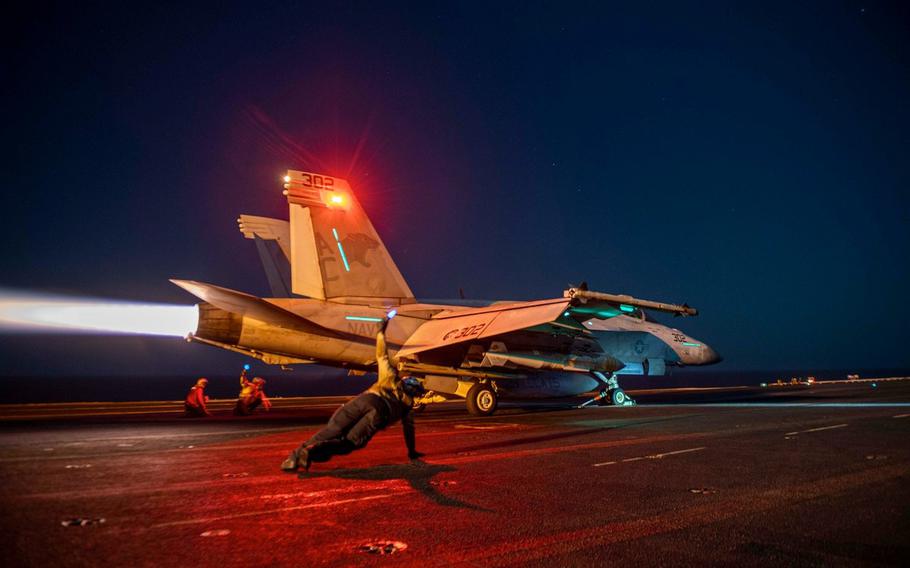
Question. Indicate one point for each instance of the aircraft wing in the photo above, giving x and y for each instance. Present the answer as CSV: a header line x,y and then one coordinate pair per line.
x,y
251,306
452,327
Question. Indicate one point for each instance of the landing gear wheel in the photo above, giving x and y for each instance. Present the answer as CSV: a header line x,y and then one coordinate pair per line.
x,y
618,397
481,400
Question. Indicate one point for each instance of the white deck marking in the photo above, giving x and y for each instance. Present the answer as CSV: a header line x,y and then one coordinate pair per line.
x,y
827,428
281,510
658,456
652,456
819,429
901,416
487,426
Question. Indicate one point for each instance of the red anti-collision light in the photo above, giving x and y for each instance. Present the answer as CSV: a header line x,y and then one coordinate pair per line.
x,y
335,200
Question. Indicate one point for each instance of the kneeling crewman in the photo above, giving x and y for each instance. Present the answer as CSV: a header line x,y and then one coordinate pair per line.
x,y
387,401
196,400
252,394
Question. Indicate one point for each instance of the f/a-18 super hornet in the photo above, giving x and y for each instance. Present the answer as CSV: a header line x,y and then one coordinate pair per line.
x,y
334,281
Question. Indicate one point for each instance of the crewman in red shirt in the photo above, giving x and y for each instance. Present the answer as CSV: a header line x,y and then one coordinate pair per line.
x,y
194,405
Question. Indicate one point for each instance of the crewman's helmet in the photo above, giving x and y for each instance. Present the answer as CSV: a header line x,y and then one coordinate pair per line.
x,y
259,381
202,382
412,387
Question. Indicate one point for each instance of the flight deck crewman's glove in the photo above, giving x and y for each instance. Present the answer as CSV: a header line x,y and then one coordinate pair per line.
x,y
385,320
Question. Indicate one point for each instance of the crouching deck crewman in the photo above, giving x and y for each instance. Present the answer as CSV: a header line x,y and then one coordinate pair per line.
x,y
387,401
252,394
196,400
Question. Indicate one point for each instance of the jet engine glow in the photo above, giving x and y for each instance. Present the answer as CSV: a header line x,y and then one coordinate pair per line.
x,y
23,312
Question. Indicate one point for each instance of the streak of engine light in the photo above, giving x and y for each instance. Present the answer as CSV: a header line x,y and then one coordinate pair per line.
x,y
34,313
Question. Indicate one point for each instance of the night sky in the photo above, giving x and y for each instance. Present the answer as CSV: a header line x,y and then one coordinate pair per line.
x,y
750,159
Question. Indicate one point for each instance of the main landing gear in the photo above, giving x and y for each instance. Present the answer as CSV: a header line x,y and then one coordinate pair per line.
x,y
481,399
610,393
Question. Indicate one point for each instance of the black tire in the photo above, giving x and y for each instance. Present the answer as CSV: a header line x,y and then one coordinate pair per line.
x,y
618,397
481,400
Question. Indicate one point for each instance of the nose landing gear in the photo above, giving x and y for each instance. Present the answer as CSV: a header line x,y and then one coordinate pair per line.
x,y
610,393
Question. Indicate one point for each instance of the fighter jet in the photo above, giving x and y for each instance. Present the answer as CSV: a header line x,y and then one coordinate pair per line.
x,y
334,281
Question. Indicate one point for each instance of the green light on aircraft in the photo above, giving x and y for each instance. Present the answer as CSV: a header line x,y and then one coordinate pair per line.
x,y
602,312
362,318
344,257
690,344
626,308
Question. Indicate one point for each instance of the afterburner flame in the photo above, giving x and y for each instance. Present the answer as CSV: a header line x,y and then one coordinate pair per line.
x,y
25,312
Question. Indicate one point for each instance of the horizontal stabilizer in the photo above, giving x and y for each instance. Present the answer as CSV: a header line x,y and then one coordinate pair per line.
x,y
252,307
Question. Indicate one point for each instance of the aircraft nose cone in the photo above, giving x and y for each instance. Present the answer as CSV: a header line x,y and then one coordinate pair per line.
x,y
611,364
711,356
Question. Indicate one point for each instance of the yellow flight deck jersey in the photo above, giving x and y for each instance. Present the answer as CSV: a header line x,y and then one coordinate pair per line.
x,y
388,388
388,385
247,388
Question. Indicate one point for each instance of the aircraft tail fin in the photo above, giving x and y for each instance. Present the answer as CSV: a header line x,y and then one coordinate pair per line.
x,y
273,243
335,252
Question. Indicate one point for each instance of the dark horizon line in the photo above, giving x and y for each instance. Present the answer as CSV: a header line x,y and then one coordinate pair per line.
x,y
897,371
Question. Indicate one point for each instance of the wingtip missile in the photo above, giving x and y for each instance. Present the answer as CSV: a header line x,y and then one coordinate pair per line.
x,y
587,296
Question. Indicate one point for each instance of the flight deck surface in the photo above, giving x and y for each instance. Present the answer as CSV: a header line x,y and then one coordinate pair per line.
x,y
817,475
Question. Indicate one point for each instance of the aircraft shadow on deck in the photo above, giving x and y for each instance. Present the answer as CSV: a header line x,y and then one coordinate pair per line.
x,y
419,475
530,440
610,424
